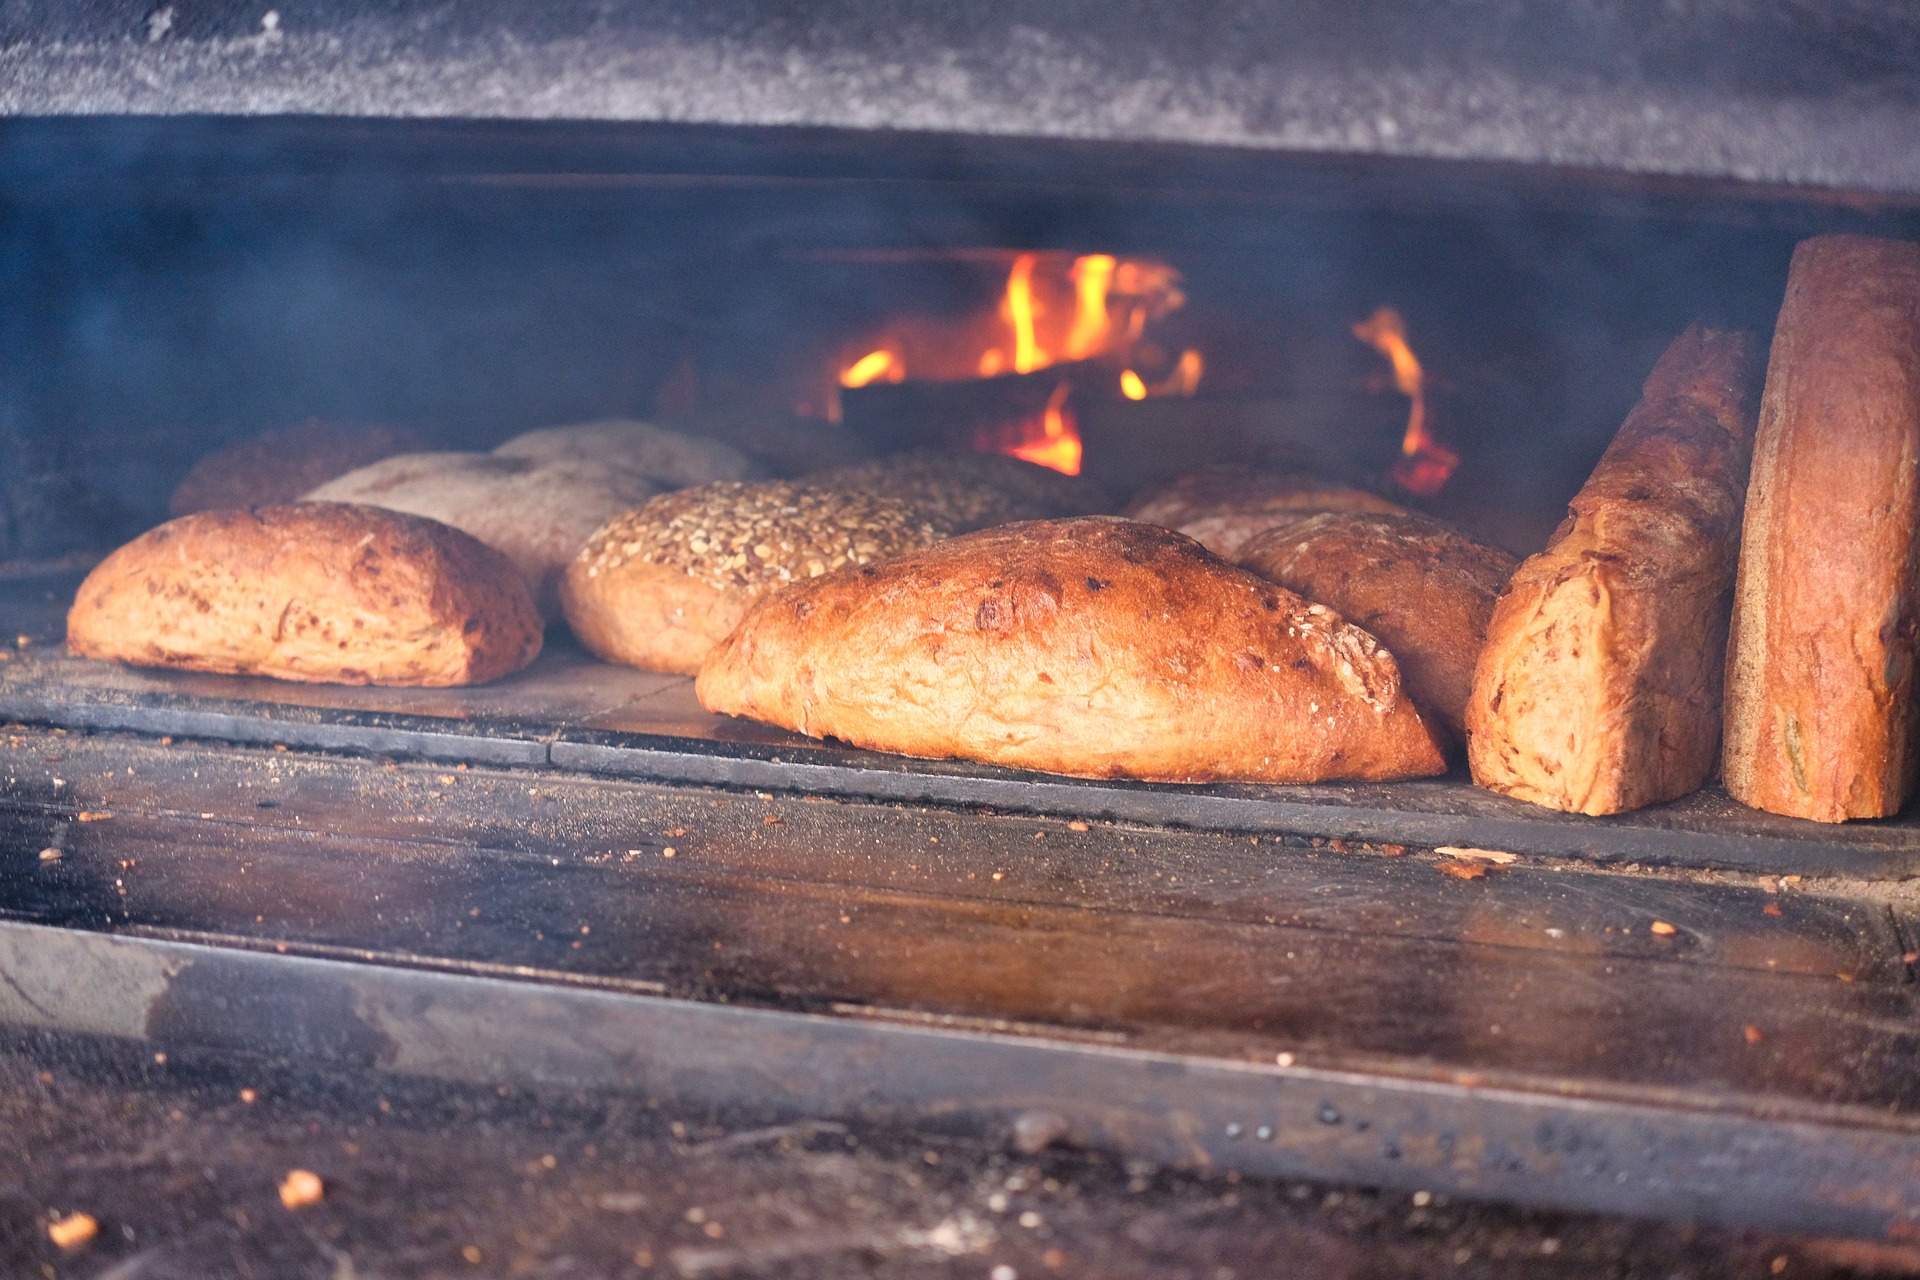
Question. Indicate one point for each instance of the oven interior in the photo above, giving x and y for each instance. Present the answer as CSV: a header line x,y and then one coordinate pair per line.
x,y
1171,970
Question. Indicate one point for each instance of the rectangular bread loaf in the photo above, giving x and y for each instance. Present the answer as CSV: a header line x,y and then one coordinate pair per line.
x,y
1820,699
1599,687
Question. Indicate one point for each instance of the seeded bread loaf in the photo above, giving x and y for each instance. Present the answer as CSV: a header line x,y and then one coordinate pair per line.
x,y
318,592
1421,587
1821,703
1094,647
1599,687
668,459
968,491
1222,507
537,513
279,466
659,586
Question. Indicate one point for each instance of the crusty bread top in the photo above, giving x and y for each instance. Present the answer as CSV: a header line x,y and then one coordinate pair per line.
x,y
968,491
310,591
670,459
281,465
753,535
1421,586
1099,647
1219,490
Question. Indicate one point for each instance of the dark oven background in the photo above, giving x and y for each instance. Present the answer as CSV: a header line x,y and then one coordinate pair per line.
x,y
175,284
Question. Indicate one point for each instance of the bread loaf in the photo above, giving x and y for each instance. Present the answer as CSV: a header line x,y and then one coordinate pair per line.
x,y
279,466
1599,687
1095,647
667,459
1422,588
536,513
1222,507
967,491
311,591
1820,694
659,586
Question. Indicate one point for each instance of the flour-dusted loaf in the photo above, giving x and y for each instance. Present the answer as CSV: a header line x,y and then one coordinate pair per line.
x,y
667,459
1821,702
310,591
1222,507
1421,587
657,587
968,491
536,512
1095,647
1599,687
279,466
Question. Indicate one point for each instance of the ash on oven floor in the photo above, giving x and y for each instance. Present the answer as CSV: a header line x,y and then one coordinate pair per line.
x,y
180,1165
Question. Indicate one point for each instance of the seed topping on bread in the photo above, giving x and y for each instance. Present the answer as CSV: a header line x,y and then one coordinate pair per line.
x,y
748,535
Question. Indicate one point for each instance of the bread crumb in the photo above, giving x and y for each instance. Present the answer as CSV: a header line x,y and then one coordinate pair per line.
x,y
1076,826
1481,855
1461,870
1662,928
73,1230
301,1188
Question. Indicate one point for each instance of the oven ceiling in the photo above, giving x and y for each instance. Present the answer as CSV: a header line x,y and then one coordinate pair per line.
x,y
1816,93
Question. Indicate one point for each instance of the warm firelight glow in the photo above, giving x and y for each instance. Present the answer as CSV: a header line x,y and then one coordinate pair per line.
x,y
872,367
1054,308
1058,443
1425,463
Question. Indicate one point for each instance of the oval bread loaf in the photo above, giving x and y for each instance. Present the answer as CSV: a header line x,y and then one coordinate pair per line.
x,y
279,466
1094,647
670,459
319,592
659,586
1423,588
1222,507
535,512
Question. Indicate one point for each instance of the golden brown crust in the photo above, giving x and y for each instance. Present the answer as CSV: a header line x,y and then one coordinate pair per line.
x,y
658,586
280,466
318,592
1095,647
968,491
1425,589
1599,687
1223,507
1820,697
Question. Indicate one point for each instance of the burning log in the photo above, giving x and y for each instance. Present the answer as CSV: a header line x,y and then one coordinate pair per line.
x,y
1129,444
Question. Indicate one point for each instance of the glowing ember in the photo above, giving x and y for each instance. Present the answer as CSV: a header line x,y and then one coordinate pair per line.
x,y
872,367
1132,386
1058,444
1425,463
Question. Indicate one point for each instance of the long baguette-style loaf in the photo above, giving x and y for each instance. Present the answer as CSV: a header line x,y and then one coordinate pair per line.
x,y
1820,699
1599,687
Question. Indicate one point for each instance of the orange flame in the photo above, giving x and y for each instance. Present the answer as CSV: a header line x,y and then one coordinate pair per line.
x,y
1058,444
1053,307
1425,463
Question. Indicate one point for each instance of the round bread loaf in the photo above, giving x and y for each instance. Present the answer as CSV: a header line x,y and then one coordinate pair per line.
x,y
967,491
1423,588
1095,647
537,513
279,466
319,592
670,459
660,585
1222,507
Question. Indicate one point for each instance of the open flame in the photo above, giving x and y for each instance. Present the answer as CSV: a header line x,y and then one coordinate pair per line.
x,y
1054,308
1425,463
